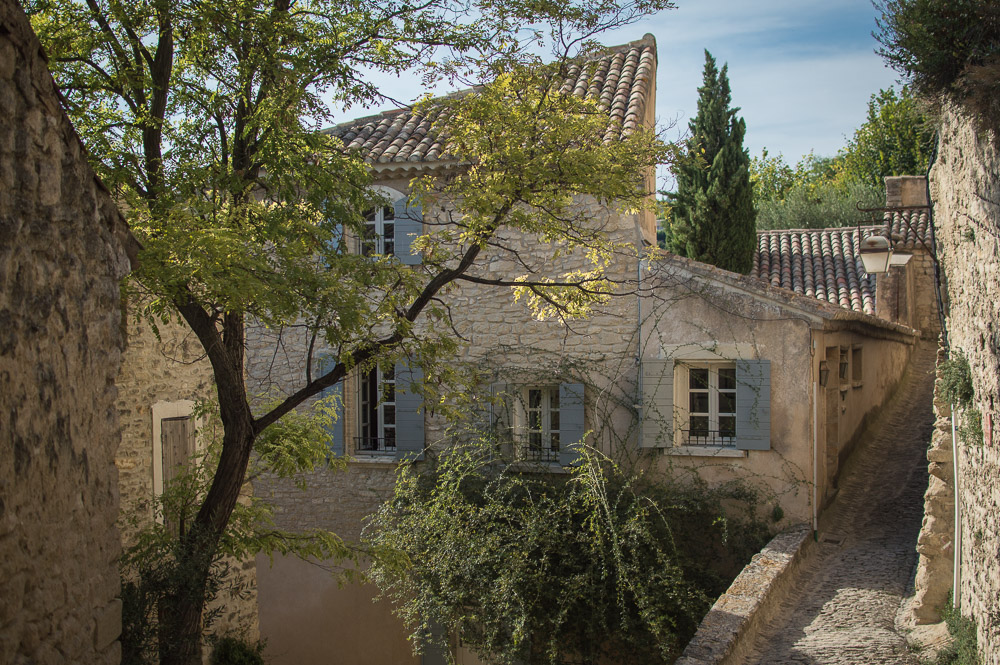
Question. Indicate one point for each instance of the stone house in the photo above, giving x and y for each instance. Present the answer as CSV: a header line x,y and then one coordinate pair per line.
x,y
769,378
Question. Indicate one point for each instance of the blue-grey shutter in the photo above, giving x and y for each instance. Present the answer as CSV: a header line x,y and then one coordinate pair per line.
x,y
657,403
571,427
409,225
753,404
409,414
336,428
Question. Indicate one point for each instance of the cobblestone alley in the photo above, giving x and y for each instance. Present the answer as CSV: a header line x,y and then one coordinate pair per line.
x,y
843,607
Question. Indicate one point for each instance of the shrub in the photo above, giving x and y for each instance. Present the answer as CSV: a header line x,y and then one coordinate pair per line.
x,y
232,650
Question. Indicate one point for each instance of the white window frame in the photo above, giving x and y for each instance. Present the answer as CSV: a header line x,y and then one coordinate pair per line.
x,y
682,402
377,242
382,426
547,445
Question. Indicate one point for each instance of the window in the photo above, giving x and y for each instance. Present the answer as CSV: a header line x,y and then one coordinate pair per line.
x,y
380,232
391,229
857,366
541,423
174,442
539,435
711,405
704,402
377,412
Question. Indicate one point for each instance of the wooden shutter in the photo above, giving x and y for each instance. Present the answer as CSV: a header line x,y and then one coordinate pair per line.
x,y
571,424
657,403
409,414
335,429
409,225
177,446
753,404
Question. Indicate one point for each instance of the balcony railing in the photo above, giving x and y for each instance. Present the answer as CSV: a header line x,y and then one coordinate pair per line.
x,y
709,438
374,445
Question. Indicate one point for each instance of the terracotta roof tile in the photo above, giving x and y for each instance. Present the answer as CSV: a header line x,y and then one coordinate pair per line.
x,y
825,263
620,81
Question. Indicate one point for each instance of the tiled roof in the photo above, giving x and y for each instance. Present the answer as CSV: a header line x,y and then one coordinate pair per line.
x,y
825,263
620,81
908,228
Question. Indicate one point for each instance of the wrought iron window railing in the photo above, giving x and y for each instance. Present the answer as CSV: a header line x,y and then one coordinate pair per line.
x,y
374,445
709,438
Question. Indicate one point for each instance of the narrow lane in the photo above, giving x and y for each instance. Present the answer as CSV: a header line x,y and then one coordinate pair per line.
x,y
843,608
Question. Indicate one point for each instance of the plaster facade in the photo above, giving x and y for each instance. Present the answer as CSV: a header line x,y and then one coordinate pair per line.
x,y
64,247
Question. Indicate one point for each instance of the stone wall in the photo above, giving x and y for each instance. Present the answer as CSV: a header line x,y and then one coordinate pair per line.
x,y
62,255
727,633
966,196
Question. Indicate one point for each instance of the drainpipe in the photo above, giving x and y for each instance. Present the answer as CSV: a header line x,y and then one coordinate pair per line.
x,y
815,439
638,351
815,456
956,582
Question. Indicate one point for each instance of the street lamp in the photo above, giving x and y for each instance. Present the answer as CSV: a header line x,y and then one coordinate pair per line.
x,y
875,254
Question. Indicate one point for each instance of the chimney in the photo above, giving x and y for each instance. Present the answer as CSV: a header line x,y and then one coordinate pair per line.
x,y
905,191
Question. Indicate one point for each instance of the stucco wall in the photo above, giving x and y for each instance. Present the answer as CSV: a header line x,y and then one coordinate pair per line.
x,y
61,259
966,197
736,324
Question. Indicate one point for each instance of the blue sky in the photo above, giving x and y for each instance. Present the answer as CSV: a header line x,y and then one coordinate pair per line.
x,y
801,71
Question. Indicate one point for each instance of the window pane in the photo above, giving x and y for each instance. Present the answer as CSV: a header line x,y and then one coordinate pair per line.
x,y
553,398
698,378
727,402
388,213
698,402
535,420
534,398
389,414
699,425
727,378
554,421
390,438
727,426
555,441
388,239
535,439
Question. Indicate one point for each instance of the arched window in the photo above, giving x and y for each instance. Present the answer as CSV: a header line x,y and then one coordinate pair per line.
x,y
391,229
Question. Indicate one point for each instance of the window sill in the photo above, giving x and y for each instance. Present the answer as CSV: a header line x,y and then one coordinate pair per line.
x,y
703,451
528,466
373,460
857,384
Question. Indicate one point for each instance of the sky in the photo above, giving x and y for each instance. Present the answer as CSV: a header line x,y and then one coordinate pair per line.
x,y
801,71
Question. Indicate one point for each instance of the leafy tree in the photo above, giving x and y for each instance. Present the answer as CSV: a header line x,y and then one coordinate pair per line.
x,y
896,139
534,568
202,118
949,49
712,214
812,195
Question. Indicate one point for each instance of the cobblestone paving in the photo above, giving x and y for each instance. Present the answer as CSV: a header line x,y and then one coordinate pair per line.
x,y
843,607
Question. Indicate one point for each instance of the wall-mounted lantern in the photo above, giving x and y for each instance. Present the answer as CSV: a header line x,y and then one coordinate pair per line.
x,y
824,373
875,254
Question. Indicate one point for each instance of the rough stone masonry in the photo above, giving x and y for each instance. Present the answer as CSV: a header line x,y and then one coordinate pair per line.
x,y
62,254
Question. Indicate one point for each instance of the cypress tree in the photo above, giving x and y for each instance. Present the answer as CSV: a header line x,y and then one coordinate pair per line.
x,y
712,217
